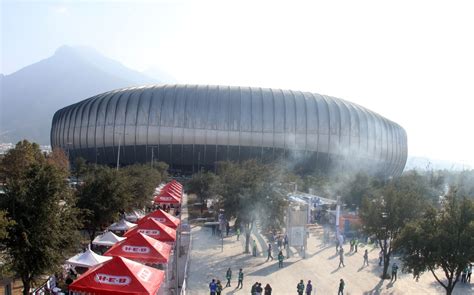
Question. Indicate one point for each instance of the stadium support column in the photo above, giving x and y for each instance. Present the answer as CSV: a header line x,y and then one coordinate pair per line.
x,y
338,212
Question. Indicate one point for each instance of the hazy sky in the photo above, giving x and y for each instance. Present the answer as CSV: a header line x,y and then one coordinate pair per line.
x,y
411,61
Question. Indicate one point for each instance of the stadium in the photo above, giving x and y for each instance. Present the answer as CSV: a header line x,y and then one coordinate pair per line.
x,y
192,127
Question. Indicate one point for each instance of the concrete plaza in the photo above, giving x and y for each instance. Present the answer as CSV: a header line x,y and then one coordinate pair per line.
x,y
208,261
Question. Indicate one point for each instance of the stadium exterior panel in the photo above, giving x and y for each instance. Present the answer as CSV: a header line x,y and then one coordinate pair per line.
x,y
194,126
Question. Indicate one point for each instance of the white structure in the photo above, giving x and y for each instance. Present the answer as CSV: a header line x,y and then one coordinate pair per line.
x,y
107,239
121,225
87,259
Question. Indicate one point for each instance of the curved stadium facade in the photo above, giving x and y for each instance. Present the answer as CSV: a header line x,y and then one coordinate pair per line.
x,y
190,127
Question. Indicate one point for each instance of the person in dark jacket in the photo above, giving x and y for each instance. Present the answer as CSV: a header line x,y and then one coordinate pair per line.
x,y
300,287
228,276
268,290
309,288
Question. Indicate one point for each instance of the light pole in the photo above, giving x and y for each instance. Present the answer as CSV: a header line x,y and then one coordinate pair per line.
x,y
120,133
152,147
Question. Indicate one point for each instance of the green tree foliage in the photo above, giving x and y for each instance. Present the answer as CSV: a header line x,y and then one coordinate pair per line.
x,y
162,168
398,202
201,184
39,202
141,182
441,238
248,191
464,181
359,187
104,194
5,223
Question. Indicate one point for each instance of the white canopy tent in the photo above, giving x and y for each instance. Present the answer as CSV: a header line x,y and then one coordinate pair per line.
x,y
134,215
107,239
121,225
87,259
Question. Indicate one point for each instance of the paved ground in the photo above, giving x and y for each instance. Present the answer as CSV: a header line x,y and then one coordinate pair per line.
x,y
320,266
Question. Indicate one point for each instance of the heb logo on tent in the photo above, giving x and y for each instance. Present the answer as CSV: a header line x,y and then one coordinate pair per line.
x,y
166,198
149,232
159,219
135,249
112,280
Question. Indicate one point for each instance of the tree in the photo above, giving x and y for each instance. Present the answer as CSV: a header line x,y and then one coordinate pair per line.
x,y
360,187
42,207
102,197
399,201
201,184
141,181
441,238
247,191
5,223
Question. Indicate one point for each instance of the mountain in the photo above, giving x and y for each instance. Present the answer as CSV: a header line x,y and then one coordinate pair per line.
x,y
427,164
160,75
30,96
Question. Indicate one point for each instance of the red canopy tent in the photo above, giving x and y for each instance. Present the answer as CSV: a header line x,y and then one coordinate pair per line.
x,y
167,198
162,217
141,248
175,182
169,188
154,229
119,276
166,192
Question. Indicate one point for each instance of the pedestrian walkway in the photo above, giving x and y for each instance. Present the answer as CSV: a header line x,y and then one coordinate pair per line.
x,y
320,266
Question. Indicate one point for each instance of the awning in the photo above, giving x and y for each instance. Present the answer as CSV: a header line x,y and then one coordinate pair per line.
x,y
121,225
107,239
119,276
162,217
176,183
172,190
166,198
141,248
134,215
154,229
87,259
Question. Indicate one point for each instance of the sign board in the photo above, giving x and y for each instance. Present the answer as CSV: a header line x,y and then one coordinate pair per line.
x,y
297,234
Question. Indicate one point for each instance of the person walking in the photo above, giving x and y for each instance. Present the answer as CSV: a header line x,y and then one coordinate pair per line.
x,y
309,288
268,290
258,289
366,258
219,287
280,242
352,242
254,248
241,279
227,229
464,275
469,273
341,287
394,272
213,287
380,257
285,241
269,252
341,257
228,276
280,259
253,290
300,287
238,233
356,243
